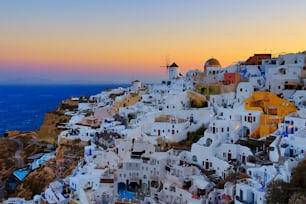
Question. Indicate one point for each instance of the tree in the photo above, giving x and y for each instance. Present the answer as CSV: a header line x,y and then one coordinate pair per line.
x,y
278,192
298,173
297,198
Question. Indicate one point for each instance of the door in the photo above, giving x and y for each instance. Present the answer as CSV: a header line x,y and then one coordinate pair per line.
x,y
207,165
229,156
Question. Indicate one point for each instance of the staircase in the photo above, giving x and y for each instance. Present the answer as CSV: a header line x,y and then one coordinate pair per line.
x,y
280,157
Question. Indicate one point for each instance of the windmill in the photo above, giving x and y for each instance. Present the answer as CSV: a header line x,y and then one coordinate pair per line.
x,y
167,62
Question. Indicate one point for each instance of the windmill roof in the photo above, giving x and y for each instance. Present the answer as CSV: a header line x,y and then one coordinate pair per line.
x,y
173,65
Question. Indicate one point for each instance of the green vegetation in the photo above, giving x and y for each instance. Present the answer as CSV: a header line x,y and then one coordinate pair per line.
x,y
278,192
251,159
208,89
282,192
192,137
195,104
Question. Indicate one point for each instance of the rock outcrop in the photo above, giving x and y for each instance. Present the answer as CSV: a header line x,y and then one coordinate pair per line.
x,y
50,128
67,156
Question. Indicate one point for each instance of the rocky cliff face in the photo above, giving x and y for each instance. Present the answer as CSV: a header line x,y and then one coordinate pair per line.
x,y
14,152
7,160
15,149
50,130
67,156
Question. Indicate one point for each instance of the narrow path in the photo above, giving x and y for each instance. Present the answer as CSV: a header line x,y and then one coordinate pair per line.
x,y
19,159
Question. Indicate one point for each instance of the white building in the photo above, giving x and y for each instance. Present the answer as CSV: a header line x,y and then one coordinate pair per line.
x,y
173,71
136,85
248,191
244,90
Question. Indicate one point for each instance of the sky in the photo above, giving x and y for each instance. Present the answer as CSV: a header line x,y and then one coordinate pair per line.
x,y
118,41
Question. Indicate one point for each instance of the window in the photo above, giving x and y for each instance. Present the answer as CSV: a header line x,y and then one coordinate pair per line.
x,y
241,194
250,119
194,158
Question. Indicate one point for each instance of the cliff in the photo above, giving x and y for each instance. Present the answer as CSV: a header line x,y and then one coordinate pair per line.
x,y
14,152
49,130
67,156
16,147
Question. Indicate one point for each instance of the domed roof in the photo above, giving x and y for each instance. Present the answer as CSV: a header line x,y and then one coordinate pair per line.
x,y
212,62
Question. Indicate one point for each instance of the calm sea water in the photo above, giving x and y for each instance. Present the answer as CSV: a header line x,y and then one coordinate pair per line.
x,y
22,107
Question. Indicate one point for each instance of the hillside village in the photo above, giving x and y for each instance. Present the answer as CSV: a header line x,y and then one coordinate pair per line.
x,y
140,148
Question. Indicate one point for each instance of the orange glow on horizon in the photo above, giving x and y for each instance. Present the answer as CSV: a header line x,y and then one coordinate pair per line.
x,y
121,38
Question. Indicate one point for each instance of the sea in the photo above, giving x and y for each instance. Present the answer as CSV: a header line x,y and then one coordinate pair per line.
x,y
23,107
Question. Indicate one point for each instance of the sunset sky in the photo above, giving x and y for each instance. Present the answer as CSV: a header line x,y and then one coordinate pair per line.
x,y
104,41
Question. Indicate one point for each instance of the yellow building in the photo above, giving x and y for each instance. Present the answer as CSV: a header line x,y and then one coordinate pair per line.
x,y
273,108
128,100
